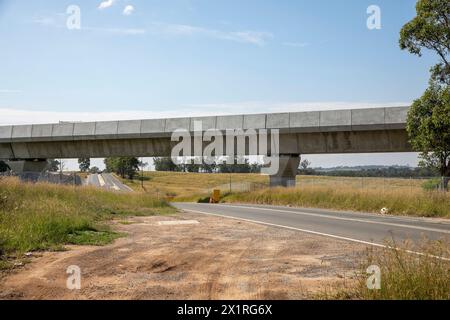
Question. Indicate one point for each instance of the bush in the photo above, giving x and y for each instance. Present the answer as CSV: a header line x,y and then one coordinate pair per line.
x,y
431,184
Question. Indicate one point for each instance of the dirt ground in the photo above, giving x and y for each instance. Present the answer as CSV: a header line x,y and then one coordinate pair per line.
x,y
216,259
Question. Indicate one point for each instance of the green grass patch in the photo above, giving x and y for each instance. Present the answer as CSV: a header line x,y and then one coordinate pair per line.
x,y
45,217
93,238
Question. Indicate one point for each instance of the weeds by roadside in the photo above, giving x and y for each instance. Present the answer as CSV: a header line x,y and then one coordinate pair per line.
x,y
413,203
404,275
43,217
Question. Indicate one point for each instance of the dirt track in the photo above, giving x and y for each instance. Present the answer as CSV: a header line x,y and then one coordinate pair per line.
x,y
215,259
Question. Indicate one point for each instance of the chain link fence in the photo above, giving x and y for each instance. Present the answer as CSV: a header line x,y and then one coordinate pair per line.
x,y
375,183
46,177
358,183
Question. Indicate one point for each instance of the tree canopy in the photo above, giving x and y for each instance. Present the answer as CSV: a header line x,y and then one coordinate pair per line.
x,y
123,166
3,166
84,164
428,123
430,29
428,126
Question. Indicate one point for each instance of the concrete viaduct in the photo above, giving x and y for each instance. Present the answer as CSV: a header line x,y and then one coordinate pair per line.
x,y
26,147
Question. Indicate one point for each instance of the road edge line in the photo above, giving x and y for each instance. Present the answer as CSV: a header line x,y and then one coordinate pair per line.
x,y
341,218
318,233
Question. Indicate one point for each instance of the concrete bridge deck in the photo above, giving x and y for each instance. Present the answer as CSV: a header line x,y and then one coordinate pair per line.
x,y
317,132
296,122
339,131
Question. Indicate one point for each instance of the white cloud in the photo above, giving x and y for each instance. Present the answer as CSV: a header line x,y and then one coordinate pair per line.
x,y
45,21
117,31
296,44
129,9
253,37
258,38
106,4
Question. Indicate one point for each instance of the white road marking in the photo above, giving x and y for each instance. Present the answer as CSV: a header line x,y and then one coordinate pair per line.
x,y
341,218
101,181
114,186
177,222
113,177
317,233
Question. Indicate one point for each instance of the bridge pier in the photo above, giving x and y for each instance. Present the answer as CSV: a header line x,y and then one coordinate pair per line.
x,y
287,172
35,166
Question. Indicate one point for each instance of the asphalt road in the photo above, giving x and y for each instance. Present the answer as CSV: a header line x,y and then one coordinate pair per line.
x,y
107,181
358,227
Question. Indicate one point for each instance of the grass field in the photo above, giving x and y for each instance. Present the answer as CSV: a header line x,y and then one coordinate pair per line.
x,y
403,276
400,196
416,203
180,185
41,216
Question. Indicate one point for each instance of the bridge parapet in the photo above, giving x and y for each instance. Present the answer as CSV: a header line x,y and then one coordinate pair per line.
x,y
295,122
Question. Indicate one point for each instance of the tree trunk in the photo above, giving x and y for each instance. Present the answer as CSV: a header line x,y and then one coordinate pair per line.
x,y
445,179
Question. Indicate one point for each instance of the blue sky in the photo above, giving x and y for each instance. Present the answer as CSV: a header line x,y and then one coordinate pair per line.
x,y
191,57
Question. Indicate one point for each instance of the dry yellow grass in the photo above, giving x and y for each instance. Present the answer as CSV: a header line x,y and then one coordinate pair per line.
x,y
180,185
400,196
403,276
398,202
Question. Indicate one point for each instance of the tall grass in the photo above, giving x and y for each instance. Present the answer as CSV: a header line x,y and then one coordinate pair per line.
x,y
404,276
399,202
178,185
42,216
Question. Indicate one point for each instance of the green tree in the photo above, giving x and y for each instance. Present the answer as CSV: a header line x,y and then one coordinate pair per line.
x,y
3,166
428,126
428,123
84,164
94,170
235,167
430,29
53,165
123,166
165,164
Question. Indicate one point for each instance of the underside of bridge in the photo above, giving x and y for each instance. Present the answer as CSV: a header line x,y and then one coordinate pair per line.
x,y
31,156
377,130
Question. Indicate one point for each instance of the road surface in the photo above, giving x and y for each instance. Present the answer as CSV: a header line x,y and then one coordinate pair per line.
x,y
107,181
357,227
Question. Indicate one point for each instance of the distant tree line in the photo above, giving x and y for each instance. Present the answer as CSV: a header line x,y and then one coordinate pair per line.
x,y
166,164
388,172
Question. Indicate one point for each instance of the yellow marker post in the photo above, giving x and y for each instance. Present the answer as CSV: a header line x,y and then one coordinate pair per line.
x,y
215,196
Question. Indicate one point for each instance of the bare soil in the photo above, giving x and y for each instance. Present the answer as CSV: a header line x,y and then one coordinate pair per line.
x,y
216,259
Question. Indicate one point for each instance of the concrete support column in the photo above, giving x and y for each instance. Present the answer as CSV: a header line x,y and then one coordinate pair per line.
x,y
285,177
28,166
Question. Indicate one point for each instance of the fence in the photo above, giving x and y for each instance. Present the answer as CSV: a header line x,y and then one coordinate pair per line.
x,y
49,177
374,183
238,184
